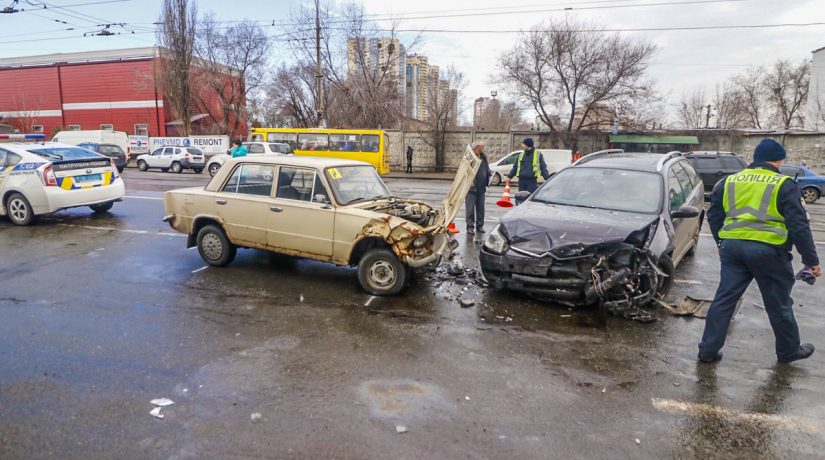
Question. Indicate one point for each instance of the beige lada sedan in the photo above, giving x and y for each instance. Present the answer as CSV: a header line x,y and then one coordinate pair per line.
x,y
327,209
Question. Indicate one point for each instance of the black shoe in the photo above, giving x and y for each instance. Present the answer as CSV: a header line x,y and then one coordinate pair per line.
x,y
470,231
805,351
480,230
711,359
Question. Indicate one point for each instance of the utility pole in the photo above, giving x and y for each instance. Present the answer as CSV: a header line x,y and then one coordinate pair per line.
x,y
319,87
707,118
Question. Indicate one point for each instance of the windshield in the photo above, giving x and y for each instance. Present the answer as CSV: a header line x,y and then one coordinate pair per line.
x,y
351,184
613,189
64,153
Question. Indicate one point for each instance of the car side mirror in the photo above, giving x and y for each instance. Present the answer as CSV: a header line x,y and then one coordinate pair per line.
x,y
685,212
321,198
523,195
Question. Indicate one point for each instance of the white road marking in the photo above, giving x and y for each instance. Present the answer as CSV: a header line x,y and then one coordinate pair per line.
x,y
145,197
788,422
687,282
122,230
200,269
368,302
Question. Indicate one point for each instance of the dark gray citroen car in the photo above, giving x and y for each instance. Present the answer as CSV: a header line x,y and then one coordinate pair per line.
x,y
607,230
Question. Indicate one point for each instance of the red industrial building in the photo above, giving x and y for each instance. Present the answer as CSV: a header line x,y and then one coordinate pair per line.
x,y
113,89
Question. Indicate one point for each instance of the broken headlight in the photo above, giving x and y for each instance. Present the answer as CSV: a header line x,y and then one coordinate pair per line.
x,y
496,242
421,241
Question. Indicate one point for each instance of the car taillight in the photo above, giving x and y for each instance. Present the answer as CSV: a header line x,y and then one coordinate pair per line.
x,y
49,179
185,156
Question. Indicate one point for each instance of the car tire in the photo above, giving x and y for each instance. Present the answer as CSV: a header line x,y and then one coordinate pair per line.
x,y
213,169
496,180
810,195
214,247
666,282
176,167
102,207
197,170
120,169
19,210
381,273
142,165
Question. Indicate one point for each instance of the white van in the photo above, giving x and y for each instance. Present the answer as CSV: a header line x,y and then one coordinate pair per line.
x,y
96,136
555,159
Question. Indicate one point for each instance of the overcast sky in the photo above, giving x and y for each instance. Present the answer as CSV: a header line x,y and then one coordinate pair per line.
x,y
684,61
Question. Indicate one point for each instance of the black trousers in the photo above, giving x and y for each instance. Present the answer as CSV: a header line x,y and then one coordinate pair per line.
x,y
528,184
474,207
409,166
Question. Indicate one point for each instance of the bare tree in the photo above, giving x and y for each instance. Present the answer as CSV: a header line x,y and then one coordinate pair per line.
x,y
443,95
27,107
564,70
289,98
232,64
176,36
786,90
752,91
730,106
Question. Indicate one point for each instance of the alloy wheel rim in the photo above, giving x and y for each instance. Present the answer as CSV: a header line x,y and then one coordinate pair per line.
x,y
810,195
18,210
212,246
382,274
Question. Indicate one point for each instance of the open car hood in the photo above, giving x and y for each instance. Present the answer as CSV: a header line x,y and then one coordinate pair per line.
x,y
564,231
464,177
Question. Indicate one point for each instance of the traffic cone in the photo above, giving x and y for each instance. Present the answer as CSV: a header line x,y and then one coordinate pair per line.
x,y
452,228
505,202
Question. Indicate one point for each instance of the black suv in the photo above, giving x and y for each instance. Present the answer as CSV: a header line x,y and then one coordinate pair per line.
x,y
715,166
609,230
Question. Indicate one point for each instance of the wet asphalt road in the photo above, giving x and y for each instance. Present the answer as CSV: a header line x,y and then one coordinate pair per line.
x,y
100,315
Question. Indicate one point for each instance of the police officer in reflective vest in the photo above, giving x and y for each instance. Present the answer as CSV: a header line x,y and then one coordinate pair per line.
x,y
529,166
756,216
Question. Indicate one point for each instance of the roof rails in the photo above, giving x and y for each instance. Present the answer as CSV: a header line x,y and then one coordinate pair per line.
x,y
669,155
592,156
23,137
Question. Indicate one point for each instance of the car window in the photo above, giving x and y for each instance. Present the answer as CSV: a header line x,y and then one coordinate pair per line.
x,y
684,180
691,172
675,193
509,159
345,142
168,151
732,163
707,164
280,148
255,148
295,183
64,153
369,143
12,159
251,179
194,151
287,138
2,158
311,141
110,149
574,187
157,152
319,192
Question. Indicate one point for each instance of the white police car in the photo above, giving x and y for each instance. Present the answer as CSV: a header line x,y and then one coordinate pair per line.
x,y
43,177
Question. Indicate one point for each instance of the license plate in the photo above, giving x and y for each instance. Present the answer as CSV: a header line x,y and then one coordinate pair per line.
x,y
87,178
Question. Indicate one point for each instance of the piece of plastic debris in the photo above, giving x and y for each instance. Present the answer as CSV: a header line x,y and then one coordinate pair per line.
x,y
401,429
255,417
162,402
676,384
566,316
301,297
604,390
466,398
186,390
467,303
156,413
638,441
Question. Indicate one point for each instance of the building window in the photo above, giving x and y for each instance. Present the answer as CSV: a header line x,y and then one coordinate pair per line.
x,y
141,130
37,128
107,127
73,128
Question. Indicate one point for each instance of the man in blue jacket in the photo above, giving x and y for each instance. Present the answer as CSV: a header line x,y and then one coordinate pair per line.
x,y
529,166
474,203
756,216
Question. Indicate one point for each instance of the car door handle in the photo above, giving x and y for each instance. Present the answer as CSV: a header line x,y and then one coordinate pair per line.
x,y
276,209
220,201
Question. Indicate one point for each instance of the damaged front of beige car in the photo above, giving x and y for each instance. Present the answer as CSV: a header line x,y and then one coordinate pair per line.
x,y
415,233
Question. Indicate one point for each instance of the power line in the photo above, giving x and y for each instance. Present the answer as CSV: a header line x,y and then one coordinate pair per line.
x,y
641,29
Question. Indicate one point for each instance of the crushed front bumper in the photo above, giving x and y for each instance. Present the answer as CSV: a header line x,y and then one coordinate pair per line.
x,y
531,275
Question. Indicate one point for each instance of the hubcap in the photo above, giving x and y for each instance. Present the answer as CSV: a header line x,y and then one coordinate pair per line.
x,y
18,210
382,274
213,169
810,195
211,246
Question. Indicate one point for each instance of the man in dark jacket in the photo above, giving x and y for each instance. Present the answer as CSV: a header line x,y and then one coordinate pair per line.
x,y
409,159
474,203
756,216
528,167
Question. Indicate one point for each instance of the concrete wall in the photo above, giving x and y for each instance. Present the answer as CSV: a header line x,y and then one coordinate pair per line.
x,y
809,146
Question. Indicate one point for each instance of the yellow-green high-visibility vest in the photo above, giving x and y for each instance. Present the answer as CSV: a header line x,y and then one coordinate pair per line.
x,y
750,205
536,171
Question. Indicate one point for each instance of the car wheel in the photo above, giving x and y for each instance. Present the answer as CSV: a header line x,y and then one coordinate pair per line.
x,y
381,273
176,167
496,180
214,247
810,195
197,170
213,169
665,282
142,165
102,207
19,210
